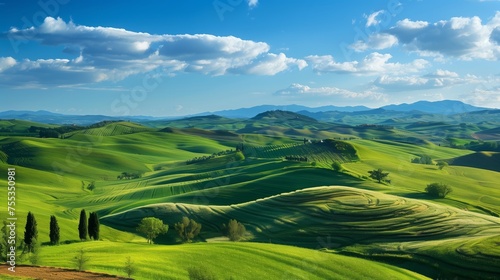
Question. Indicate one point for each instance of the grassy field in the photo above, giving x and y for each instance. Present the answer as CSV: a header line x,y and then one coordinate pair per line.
x,y
278,200
340,217
226,260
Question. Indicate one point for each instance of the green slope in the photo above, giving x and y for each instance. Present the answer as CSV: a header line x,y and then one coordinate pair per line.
x,y
335,217
225,260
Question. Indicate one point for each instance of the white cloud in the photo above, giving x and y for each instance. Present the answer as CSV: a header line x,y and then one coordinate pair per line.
x,y
106,53
374,63
463,37
6,63
252,3
485,97
372,18
377,41
439,79
271,64
306,91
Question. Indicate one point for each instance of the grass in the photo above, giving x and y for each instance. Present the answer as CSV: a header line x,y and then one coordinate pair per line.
x,y
341,217
247,261
473,188
277,200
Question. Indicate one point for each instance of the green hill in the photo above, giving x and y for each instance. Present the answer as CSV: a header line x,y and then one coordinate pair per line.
x,y
343,216
224,260
279,115
112,129
482,160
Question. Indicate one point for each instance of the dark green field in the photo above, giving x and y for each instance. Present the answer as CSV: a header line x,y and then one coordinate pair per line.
x,y
304,220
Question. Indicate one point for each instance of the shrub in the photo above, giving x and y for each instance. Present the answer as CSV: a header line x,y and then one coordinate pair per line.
x,y
424,159
336,166
439,190
81,259
129,267
239,156
200,273
442,164
235,230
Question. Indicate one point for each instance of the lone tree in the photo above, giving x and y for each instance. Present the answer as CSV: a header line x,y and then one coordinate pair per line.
x,y
4,241
442,164
438,190
152,227
378,175
54,231
337,166
81,259
129,267
234,230
187,229
82,226
30,232
94,226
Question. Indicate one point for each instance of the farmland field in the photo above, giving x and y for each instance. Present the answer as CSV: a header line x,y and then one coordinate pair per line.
x,y
303,219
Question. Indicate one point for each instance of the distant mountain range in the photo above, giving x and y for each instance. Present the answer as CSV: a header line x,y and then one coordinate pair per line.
x,y
446,107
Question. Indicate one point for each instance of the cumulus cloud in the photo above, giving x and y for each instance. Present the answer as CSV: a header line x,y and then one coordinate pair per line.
x,y
462,37
372,19
271,64
438,79
106,53
465,38
378,41
373,64
252,3
6,63
303,90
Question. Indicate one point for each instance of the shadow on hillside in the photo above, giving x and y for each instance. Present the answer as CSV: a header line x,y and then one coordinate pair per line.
x,y
415,195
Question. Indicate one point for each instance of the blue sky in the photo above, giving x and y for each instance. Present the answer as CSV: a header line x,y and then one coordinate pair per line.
x,y
167,58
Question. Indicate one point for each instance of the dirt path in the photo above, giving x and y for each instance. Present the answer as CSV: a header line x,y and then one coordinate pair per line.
x,y
50,273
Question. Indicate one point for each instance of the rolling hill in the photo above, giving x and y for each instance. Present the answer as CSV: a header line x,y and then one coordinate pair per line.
x,y
281,199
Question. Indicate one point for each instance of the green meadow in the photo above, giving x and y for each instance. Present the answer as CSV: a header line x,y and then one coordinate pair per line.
x,y
303,219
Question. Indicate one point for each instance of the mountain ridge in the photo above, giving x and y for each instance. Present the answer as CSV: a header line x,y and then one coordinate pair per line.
x,y
445,107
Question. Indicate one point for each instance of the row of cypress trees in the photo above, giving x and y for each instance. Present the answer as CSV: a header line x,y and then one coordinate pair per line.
x,y
31,232
86,227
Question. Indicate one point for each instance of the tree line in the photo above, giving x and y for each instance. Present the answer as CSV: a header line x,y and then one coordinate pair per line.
x,y
187,229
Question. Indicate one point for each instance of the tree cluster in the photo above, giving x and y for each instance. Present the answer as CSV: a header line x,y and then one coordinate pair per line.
x,y
88,227
187,229
296,158
93,226
438,190
128,175
214,155
423,159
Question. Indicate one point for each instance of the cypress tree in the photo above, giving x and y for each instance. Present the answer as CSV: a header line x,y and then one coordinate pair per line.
x,y
94,226
30,232
54,231
82,226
